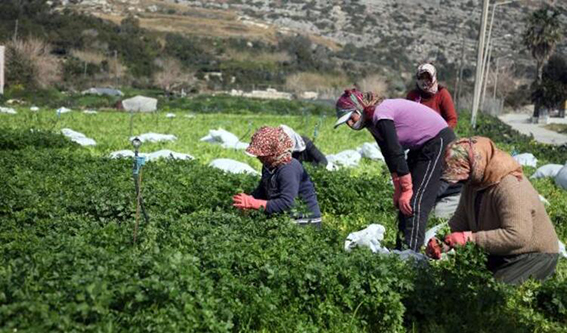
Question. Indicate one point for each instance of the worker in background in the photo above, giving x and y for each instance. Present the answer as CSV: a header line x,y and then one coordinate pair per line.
x,y
304,150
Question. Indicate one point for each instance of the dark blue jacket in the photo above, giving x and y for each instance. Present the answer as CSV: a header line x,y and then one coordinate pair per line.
x,y
285,183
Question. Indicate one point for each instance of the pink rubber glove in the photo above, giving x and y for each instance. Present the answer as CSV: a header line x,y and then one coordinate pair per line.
x,y
405,197
459,238
397,188
245,201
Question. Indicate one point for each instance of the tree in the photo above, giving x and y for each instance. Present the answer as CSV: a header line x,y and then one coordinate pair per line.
x,y
171,75
541,36
552,89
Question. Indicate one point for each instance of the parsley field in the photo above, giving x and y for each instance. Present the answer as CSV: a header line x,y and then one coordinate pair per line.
x,y
68,261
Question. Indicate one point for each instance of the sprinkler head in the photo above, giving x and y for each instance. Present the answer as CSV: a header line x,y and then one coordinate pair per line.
x,y
136,143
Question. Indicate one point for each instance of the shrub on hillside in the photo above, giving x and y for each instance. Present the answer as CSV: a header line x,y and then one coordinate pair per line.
x,y
31,64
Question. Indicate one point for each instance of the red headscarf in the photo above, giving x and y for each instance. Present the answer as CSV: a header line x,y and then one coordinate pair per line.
x,y
272,144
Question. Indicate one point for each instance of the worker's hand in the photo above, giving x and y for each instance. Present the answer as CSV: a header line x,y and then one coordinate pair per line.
x,y
397,188
434,249
459,238
245,201
406,194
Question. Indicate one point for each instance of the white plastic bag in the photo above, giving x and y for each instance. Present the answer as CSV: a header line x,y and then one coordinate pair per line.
x,y
7,110
548,170
232,166
371,151
63,110
370,237
561,178
526,159
224,138
346,158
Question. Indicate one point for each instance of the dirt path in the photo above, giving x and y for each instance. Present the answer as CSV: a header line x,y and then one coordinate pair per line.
x,y
521,122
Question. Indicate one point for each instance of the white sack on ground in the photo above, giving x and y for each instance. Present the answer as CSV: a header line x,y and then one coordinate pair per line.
x,y
526,159
371,151
170,115
548,170
346,158
63,110
78,137
102,91
561,178
155,137
34,109
7,110
232,166
122,154
371,237
90,112
562,250
225,139
164,153
140,104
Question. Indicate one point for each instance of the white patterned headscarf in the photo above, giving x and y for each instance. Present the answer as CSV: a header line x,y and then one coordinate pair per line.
x,y
428,87
298,142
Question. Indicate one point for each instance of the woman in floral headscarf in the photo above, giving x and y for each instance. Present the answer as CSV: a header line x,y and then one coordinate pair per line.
x,y
500,211
283,178
428,92
399,124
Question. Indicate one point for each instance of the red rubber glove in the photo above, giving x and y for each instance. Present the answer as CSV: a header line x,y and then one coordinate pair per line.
x,y
245,201
459,238
433,249
397,188
405,197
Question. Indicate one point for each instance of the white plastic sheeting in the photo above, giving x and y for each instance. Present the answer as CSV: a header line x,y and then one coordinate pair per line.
x,y
78,137
7,110
140,104
548,170
170,115
63,110
164,153
90,112
232,166
526,159
225,139
371,237
561,178
34,108
346,158
371,151
155,137
102,91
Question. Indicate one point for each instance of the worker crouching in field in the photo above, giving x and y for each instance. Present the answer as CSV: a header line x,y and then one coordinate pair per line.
x,y
304,150
283,179
399,124
500,211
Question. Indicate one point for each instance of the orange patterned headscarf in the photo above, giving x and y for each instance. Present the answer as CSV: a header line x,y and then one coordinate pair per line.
x,y
478,160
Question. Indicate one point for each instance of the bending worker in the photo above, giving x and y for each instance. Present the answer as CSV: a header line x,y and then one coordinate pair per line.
x,y
304,150
500,211
399,124
283,179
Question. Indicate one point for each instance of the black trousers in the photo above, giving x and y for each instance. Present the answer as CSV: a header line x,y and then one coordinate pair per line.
x,y
517,269
425,165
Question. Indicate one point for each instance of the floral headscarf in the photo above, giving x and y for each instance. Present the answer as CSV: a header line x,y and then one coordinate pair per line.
x,y
478,160
430,88
272,144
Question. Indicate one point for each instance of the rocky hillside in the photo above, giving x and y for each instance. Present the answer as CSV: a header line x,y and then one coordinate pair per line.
x,y
368,30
